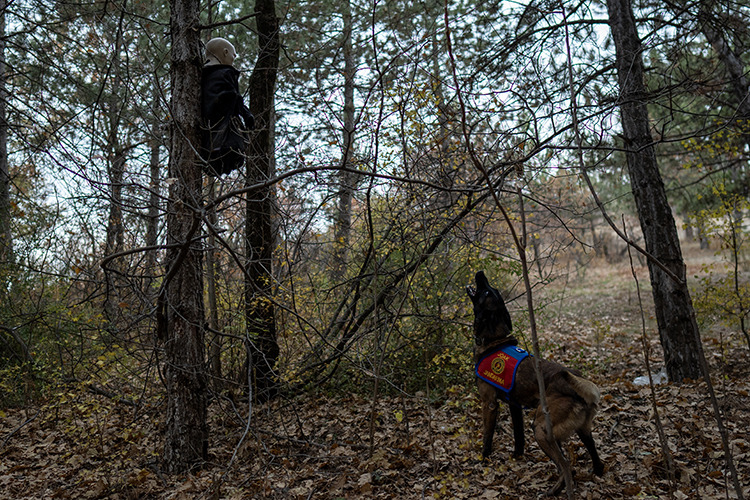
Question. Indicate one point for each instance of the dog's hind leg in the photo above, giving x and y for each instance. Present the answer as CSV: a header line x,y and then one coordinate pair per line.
x,y
552,449
588,441
550,446
516,416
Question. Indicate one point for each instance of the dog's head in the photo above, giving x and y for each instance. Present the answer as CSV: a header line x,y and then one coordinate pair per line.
x,y
491,317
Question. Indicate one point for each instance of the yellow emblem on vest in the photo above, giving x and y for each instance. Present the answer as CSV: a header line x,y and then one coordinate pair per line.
x,y
498,365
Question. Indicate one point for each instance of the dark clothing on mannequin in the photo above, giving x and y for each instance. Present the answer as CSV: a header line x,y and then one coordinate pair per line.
x,y
224,136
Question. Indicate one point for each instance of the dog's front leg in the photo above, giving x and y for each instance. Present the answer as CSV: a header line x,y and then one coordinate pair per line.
x,y
516,417
488,395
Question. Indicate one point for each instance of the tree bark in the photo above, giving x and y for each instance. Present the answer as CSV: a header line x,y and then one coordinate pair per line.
x,y
735,69
732,62
6,237
214,352
115,229
115,174
152,219
347,179
186,440
260,227
674,308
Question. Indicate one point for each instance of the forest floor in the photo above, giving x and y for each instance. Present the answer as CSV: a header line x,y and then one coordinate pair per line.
x,y
80,445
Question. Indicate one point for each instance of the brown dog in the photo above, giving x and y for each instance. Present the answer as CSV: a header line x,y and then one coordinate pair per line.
x,y
571,399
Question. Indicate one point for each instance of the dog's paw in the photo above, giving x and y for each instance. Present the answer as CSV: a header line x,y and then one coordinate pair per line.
x,y
598,469
556,489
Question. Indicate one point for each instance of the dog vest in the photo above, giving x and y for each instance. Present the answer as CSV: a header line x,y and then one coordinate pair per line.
x,y
499,368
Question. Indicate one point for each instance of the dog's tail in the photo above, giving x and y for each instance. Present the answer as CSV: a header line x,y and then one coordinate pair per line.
x,y
587,390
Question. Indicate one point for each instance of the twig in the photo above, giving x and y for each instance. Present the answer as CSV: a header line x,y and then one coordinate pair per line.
x,y
239,20
519,244
429,417
249,410
379,367
94,389
564,465
715,404
660,429
681,282
5,441
26,353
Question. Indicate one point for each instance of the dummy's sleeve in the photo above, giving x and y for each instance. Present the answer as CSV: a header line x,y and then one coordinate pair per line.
x,y
247,116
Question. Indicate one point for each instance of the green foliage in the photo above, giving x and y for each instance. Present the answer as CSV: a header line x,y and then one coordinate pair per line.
x,y
47,331
724,291
420,335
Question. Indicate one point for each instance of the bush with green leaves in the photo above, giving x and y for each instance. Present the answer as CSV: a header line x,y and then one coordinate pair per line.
x,y
724,292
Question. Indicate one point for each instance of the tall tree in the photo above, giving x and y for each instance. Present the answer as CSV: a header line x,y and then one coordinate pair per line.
x,y
152,217
347,179
6,238
116,101
713,30
186,439
674,310
260,225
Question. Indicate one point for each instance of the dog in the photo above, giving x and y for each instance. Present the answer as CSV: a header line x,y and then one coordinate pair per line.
x,y
571,399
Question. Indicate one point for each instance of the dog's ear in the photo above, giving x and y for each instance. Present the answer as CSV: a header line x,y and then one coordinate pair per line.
x,y
481,284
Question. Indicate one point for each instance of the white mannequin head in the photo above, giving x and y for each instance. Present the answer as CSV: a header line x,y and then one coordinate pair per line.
x,y
219,51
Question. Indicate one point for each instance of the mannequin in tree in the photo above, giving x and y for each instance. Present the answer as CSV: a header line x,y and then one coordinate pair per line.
x,y
226,120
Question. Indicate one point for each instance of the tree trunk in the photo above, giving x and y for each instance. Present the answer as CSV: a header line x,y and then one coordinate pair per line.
x,y
736,71
214,353
152,219
115,175
731,61
115,229
674,309
260,227
186,440
343,226
6,239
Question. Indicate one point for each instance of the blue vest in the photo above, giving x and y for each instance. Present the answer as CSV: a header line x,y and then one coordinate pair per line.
x,y
499,367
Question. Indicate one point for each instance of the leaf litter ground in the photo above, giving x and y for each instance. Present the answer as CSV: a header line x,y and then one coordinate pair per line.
x,y
80,445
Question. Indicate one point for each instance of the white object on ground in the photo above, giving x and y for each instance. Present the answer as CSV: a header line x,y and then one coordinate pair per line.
x,y
658,378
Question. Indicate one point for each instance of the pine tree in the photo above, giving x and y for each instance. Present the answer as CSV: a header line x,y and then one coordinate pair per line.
x,y
186,440
674,310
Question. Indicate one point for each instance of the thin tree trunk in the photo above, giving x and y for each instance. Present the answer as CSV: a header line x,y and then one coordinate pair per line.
x,y
115,236
115,173
260,227
347,179
152,219
733,64
186,440
6,237
738,76
213,311
672,300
